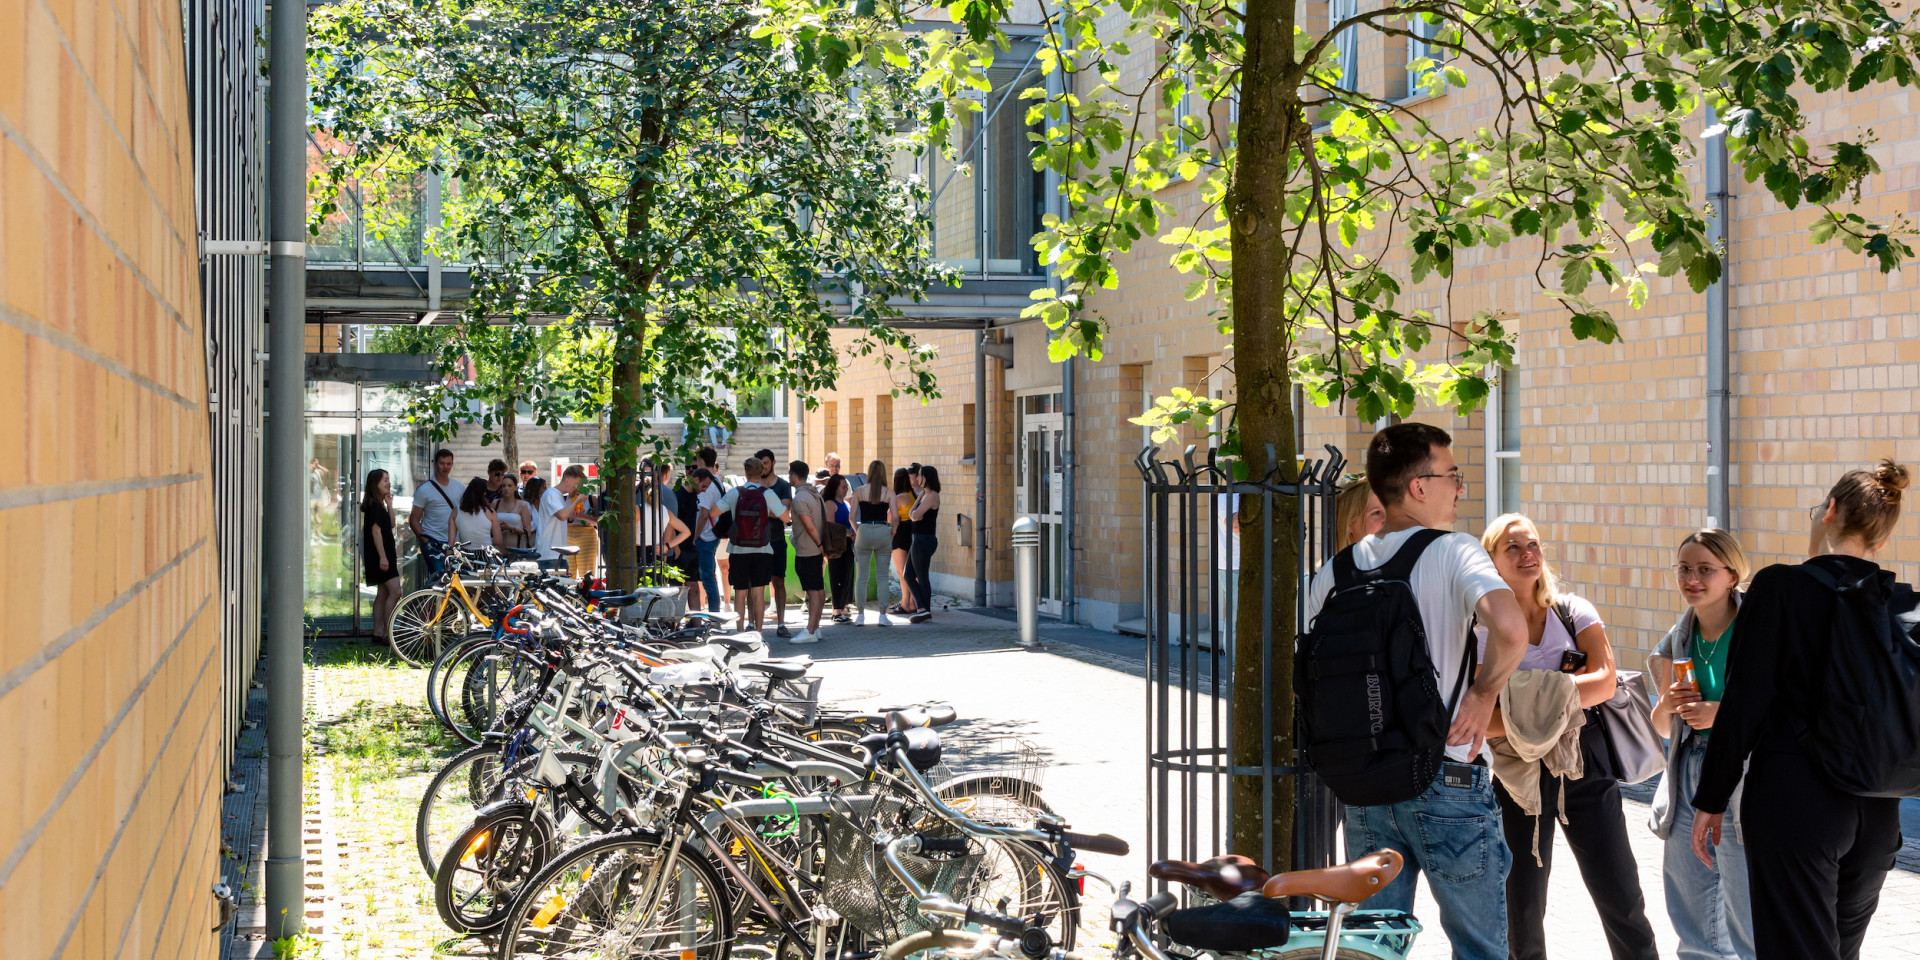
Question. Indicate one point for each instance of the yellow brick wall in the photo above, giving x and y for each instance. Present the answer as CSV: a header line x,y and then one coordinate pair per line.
x,y
109,677
1826,374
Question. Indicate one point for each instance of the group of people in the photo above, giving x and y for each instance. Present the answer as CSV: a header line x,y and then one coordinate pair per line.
x,y
498,510
1763,857
836,528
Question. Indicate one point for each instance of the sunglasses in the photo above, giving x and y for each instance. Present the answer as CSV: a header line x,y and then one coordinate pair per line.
x,y
527,473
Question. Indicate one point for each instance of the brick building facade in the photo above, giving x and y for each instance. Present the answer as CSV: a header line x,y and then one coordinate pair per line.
x,y
1605,444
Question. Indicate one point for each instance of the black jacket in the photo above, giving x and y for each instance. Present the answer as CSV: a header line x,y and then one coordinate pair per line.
x,y
1776,670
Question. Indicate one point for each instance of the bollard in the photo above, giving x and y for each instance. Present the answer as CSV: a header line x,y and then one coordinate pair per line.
x,y
1026,577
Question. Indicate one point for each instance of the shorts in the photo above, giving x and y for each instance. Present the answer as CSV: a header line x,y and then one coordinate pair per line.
x,y
750,570
903,537
811,576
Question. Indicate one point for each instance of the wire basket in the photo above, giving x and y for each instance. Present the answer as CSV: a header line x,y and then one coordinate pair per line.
x,y
994,780
863,890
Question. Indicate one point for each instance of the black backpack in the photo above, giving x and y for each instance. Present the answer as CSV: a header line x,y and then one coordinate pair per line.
x,y
1373,726
1865,735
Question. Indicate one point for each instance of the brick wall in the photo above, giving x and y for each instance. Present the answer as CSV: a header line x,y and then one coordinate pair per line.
x,y
109,677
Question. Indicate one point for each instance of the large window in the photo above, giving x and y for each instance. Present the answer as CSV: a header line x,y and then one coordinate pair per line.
x,y
1348,43
1503,423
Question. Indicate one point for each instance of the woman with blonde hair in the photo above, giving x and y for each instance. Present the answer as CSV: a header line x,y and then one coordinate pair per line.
x,y
1711,912
1817,853
1564,634
1357,514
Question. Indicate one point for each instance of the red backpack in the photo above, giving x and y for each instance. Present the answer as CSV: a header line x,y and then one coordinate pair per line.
x,y
749,519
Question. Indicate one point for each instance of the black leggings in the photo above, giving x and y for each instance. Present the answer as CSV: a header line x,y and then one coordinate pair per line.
x,y
919,567
1597,833
840,578
1816,858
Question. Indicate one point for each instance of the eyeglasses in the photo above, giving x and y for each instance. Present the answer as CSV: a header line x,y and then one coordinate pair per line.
x,y
1818,511
528,473
1699,574
1458,480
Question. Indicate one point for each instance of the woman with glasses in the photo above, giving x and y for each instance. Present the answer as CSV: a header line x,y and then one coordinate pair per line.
x,y
1709,906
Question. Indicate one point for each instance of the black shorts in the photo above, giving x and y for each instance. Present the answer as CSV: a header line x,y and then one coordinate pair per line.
x,y
903,537
810,571
749,570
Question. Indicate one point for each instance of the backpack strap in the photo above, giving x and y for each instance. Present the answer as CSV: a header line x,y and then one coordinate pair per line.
x,y
1564,610
1400,567
1469,662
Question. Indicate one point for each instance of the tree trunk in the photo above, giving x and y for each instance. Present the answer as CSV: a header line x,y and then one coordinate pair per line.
x,y
620,450
510,436
1270,112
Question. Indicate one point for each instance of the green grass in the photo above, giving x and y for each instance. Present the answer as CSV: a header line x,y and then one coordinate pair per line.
x,y
377,739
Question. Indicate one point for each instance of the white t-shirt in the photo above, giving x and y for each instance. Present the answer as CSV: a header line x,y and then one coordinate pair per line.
x,y
1448,581
474,529
651,530
435,510
552,533
708,497
1229,506
1554,640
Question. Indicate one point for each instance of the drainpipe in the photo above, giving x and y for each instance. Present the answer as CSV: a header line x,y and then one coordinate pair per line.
x,y
285,487
1719,345
980,469
1070,603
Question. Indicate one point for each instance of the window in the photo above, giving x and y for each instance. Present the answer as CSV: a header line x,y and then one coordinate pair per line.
x,y
1348,43
967,423
1503,444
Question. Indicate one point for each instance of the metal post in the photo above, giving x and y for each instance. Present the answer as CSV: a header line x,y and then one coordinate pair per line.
x,y
1719,359
286,530
980,470
1026,577
1069,600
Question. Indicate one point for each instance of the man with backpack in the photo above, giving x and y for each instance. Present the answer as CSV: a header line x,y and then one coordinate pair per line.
x,y
1394,713
754,509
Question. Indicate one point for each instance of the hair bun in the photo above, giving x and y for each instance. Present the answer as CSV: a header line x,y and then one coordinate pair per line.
x,y
1891,478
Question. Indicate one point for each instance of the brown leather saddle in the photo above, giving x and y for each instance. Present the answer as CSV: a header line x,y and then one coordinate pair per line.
x,y
1226,877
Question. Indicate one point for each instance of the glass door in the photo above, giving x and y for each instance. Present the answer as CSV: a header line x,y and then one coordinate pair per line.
x,y
1038,489
332,515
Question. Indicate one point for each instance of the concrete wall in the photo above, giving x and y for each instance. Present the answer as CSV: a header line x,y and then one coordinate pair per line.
x,y
110,779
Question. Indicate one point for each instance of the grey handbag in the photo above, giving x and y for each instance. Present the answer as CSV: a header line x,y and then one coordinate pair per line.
x,y
1638,750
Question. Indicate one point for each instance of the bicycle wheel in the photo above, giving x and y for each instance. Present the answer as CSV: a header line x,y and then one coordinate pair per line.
x,y
486,864
461,787
436,690
593,901
490,677
425,622
1019,877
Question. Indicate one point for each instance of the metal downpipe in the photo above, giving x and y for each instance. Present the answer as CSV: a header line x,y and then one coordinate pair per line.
x,y
1719,343
980,461
285,483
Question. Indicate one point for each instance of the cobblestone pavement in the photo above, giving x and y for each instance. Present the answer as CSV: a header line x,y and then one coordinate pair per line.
x,y
1079,699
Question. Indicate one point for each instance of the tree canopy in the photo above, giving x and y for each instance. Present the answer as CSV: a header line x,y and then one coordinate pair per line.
x,y
651,165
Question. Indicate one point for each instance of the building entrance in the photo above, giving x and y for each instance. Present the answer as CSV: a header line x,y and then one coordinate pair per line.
x,y
352,429
1038,481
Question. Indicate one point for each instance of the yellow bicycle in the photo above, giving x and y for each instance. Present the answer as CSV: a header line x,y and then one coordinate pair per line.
x,y
431,619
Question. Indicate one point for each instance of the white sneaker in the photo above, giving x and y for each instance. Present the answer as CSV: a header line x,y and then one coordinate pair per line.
x,y
805,636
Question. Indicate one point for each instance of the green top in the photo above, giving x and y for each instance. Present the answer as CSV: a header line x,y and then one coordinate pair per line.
x,y
1710,664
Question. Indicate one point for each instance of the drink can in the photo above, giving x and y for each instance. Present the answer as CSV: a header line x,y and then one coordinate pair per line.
x,y
1683,672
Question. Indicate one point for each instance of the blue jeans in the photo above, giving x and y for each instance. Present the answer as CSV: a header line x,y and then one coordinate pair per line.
x,y
1710,908
433,553
1453,835
710,572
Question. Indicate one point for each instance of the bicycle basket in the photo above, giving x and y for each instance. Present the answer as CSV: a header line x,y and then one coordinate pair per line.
x,y
993,779
864,891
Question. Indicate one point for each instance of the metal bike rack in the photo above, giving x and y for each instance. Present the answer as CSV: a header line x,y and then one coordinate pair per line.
x,y
1190,658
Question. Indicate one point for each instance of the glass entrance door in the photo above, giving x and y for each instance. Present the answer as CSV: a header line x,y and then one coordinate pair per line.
x,y
1038,483
333,542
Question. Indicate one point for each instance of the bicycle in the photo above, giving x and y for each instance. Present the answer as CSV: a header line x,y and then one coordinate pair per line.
x,y
430,619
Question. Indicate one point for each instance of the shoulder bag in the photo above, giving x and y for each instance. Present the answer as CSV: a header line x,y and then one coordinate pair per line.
x,y
1636,750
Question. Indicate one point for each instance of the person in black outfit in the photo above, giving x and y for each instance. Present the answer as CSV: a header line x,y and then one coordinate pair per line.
x,y
1816,856
379,560
926,540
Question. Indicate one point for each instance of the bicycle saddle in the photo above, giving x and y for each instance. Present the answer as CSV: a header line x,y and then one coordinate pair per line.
x,y
1223,878
520,553
779,669
617,600
1350,882
933,715
565,551
664,593
1243,924
738,642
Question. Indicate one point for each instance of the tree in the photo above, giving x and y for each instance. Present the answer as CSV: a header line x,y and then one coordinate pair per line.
x,y
654,166
1322,203
489,372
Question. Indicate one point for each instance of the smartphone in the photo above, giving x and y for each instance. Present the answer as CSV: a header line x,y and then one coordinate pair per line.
x,y
1573,661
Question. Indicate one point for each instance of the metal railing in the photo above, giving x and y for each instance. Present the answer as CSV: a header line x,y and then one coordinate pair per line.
x,y
1190,647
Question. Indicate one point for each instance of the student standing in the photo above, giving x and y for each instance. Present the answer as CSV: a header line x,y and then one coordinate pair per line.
x,y
705,543
1564,634
516,518
1816,855
1450,831
784,490
926,540
872,539
1710,907
660,536
476,526
381,562
749,540
840,567
809,517
558,507
432,515
1357,514
901,521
